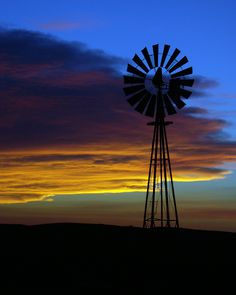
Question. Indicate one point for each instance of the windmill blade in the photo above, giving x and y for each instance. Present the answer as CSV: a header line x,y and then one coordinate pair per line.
x,y
150,112
179,64
135,71
136,97
186,82
169,106
140,63
172,58
174,86
182,82
184,72
155,49
133,80
185,93
143,103
164,54
132,89
147,57
176,100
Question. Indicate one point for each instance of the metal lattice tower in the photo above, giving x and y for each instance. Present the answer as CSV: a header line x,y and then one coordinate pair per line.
x,y
160,205
156,85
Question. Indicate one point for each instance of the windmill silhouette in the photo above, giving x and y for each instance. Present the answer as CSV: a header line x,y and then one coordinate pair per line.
x,y
155,87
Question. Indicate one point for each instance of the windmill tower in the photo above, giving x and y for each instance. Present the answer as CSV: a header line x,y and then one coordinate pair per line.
x,y
155,86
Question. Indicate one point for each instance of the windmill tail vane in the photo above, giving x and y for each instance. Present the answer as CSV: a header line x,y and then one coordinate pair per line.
x,y
156,86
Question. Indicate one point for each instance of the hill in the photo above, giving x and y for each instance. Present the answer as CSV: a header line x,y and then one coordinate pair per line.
x,y
115,260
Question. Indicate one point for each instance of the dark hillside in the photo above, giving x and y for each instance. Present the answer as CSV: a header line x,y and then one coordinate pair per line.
x,y
116,260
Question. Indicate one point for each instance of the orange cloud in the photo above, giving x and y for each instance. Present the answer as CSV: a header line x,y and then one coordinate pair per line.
x,y
38,175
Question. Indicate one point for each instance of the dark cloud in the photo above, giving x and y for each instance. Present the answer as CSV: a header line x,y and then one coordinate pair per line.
x,y
52,92
22,47
202,86
10,198
116,159
60,93
201,170
50,158
194,111
201,82
36,185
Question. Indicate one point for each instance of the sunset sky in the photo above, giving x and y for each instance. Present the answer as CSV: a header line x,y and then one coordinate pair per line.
x,y
73,150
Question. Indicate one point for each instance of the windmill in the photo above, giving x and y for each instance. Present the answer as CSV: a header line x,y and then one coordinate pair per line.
x,y
155,85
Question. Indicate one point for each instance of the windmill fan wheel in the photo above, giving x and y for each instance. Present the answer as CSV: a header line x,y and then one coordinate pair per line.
x,y
157,83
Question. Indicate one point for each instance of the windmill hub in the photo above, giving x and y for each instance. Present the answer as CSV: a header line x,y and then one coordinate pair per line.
x,y
157,79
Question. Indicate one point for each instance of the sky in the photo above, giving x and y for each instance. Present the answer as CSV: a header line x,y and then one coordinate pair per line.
x,y
73,150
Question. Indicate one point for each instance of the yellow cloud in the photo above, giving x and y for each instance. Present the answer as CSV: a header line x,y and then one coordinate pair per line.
x,y
38,175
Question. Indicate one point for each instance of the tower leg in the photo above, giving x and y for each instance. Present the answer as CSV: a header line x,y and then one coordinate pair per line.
x,y
149,177
171,180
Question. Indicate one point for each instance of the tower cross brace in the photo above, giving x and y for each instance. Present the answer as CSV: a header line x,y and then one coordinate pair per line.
x,y
160,206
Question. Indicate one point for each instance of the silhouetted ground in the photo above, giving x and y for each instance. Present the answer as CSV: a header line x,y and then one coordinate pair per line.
x,y
116,260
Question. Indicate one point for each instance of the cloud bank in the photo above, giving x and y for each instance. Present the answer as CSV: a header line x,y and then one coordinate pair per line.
x,y
66,128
